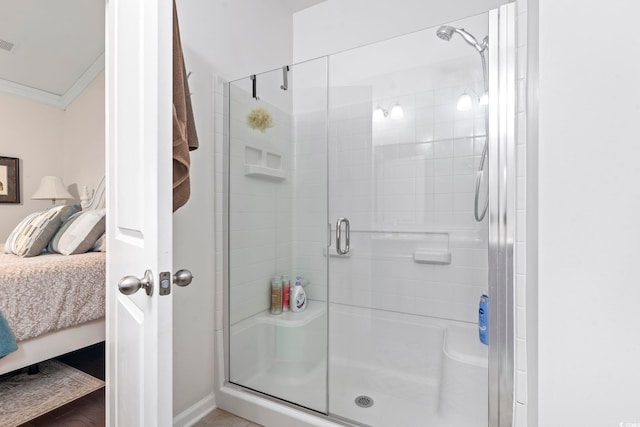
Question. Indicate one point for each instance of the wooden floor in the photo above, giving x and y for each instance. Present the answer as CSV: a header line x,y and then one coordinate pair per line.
x,y
89,411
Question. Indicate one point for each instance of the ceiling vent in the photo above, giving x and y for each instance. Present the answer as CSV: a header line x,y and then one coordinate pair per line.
x,y
5,45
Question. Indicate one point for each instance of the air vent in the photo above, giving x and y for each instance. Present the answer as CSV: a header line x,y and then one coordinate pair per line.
x,y
5,45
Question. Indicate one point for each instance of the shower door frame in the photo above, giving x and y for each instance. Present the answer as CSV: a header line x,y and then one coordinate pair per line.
x,y
502,216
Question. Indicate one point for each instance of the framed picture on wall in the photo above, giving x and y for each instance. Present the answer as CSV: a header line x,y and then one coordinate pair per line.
x,y
9,180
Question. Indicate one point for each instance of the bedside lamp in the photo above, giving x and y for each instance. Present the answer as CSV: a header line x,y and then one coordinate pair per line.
x,y
51,187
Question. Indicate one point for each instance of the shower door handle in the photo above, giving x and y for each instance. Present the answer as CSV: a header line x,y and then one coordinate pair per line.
x,y
339,249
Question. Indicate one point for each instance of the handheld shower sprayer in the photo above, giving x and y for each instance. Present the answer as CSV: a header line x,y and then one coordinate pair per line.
x,y
445,32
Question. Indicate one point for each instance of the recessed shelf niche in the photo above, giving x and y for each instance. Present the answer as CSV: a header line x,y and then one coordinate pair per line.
x,y
260,163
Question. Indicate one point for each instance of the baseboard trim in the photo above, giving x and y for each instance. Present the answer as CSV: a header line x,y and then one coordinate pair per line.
x,y
196,412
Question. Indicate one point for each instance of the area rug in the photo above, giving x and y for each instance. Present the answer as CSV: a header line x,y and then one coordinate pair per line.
x,y
24,397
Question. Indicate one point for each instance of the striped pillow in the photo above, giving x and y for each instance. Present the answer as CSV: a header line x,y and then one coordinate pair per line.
x,y
10,245
79,233
35,235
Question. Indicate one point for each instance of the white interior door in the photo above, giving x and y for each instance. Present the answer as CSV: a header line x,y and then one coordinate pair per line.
x,y
139,217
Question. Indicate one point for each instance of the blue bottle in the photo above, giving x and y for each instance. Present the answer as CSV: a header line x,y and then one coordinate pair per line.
x,y
483,319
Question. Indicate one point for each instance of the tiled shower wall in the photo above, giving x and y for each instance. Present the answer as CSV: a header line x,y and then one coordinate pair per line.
x,y
260,240
521,217
405,185
310,206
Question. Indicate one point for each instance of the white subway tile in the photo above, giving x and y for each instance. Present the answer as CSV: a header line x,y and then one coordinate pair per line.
x,y
443,184
443,130
464,183
521,387
424,150
521,193
443,166
520,416
521,226
521,355
521,258
424,99
521,64
521,128
444,96
521,95
443,202
478,145
521,325
443,148
443,113
463,165
521,29
521,290
521,160
463,147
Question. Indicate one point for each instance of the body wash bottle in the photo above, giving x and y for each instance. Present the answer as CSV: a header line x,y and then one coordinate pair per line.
x,y
298,299
483,319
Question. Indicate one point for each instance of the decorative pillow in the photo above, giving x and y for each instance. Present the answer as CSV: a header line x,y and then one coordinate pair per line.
x,y
101,244
79,233
40,228
10,245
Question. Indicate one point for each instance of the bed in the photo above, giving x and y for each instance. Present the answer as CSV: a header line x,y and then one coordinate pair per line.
x,y
53,303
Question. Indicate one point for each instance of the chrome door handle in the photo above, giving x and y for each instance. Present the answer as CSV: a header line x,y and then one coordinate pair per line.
x,y
182,278
339,236
129,285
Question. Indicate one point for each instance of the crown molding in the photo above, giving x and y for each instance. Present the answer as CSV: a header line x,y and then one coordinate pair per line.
x,y
85,80
58,101
31,93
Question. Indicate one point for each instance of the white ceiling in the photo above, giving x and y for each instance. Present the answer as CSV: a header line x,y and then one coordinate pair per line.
x,y
60,42
56,42
294,6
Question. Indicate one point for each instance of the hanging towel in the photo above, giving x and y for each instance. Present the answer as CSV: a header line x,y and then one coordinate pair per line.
x,y
7,340
184,128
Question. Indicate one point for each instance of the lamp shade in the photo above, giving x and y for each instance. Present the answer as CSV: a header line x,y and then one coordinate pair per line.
x,y
51,187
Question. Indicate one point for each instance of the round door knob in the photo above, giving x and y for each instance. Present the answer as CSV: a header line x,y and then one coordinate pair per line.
x,y
129,285
182,278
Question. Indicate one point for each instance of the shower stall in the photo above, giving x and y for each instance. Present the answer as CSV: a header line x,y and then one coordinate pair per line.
x,y
382,177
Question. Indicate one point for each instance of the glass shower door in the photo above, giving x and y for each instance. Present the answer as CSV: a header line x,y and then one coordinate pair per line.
x,y
403,155
277,228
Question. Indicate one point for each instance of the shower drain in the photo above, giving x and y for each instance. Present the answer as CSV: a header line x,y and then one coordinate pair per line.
x,y
364,401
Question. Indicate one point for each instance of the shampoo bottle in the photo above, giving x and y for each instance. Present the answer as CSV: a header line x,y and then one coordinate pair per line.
x,y
276,295
286,292
298,297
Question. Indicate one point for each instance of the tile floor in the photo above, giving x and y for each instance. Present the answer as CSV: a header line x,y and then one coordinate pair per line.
x,y
220,418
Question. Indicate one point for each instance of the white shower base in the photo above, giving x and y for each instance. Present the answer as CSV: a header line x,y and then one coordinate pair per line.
x,y
417,370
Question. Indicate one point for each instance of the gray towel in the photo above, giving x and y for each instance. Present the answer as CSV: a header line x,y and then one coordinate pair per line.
x,y
7,340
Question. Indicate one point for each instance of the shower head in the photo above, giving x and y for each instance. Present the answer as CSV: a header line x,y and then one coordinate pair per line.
x,y
445,32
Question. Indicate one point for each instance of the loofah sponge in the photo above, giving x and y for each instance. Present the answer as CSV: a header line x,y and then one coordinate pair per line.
x,y
259,118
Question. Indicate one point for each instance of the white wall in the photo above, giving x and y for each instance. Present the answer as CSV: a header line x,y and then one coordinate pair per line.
x,y
236,38
32,132
230,39
337,25
83,138
588,245
50,141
